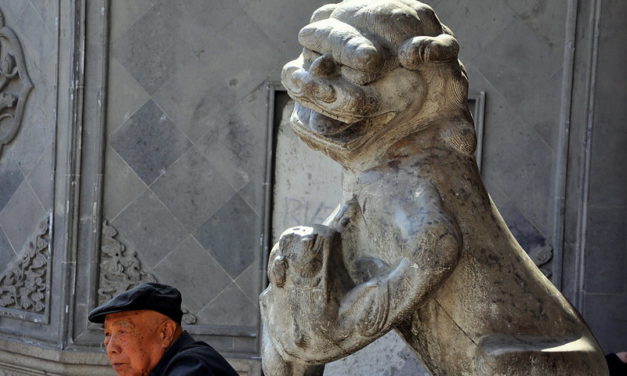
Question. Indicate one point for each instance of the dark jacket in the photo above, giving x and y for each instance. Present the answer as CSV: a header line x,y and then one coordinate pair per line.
x,y
616,366
187,357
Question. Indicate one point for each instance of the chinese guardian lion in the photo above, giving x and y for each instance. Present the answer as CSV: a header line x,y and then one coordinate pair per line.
x,y
416,245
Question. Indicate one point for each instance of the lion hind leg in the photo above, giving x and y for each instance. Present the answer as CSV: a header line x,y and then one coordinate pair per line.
x,y
540,356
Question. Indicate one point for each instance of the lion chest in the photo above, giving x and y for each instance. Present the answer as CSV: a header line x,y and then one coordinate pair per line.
x,y
387,220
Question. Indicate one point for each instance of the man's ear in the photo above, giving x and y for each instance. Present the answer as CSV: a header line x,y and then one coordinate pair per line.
x,y
166,332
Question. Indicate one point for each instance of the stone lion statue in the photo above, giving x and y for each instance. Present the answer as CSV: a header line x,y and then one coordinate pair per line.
x,y
416,245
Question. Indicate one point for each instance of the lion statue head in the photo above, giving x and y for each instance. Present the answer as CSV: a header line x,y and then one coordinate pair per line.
x,y
373,72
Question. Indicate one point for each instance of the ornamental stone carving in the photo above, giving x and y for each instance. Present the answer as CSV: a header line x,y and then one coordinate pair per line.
x,y
15,85
25,285
416,244
121,270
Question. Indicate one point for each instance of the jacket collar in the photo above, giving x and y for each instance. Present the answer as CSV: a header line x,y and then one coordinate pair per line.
x,y
184,339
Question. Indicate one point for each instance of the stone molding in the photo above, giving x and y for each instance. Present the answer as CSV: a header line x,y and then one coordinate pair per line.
x,y
24,287
121,270
15,84
20,359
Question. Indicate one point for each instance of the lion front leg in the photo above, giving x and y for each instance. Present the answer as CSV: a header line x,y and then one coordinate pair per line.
x,y
299,302
273,363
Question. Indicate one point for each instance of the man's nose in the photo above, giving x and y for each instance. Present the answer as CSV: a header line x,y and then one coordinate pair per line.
x,y
111,345
324,66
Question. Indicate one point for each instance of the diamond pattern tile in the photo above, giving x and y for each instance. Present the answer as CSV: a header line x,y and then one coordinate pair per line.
x,y
250,282
194,272
544,117
35,137
121,187
21,215
10,178
151,49
149,228
236,146
193,189
232,236
211,86
44,9
244,31
545,18
252,193
231,307
197,11
41,179
475,24
293,15
125,13
13,9
193,98
128,98
516,81
149,142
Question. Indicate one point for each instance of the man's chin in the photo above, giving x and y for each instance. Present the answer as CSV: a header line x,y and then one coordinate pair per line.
x,y
124,369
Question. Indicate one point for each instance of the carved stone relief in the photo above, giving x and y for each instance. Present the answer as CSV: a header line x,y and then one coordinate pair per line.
x,y
121,270
24,286
15,85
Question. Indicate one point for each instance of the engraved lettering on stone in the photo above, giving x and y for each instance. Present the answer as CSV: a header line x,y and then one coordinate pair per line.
x,y
415,244
15,84
121,270
24,286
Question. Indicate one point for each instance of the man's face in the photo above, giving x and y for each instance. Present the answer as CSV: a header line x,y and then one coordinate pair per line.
x,y
133,341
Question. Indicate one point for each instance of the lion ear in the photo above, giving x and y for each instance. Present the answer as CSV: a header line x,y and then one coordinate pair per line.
x,y
419,50
322,13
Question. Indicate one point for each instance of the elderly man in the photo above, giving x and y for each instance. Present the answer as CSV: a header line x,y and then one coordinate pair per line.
x,y
144,337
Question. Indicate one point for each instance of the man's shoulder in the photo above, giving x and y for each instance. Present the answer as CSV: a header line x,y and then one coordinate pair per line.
x,y
198,358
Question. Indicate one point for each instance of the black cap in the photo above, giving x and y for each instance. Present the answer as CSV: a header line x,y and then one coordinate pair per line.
x,y
150,296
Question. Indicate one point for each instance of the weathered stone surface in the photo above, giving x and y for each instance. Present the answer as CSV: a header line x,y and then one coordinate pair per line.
x,y
416,243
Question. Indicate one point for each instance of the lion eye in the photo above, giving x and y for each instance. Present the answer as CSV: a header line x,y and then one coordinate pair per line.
x,y
309,56
358,77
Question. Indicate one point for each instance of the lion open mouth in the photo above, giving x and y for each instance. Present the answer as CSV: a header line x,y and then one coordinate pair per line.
x,y
333,133
319,123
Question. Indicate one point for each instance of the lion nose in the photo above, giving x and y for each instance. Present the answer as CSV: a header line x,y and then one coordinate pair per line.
x,y
302,83
323,67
